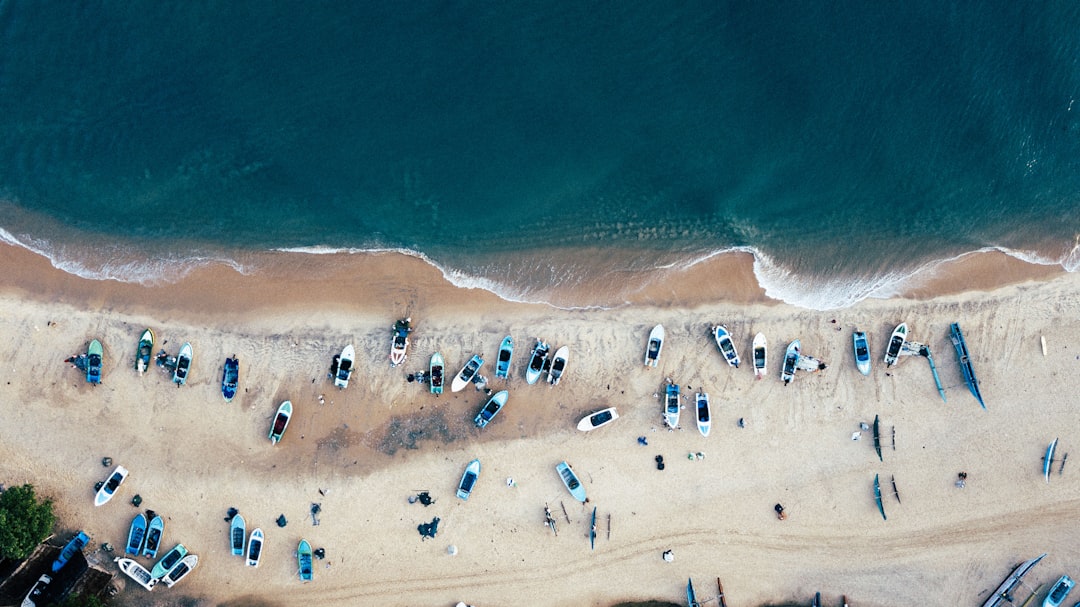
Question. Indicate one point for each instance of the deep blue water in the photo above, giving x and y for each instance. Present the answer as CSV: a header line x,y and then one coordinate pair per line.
x,y
845,143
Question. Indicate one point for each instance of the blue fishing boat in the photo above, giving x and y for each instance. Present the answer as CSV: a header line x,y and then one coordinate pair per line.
x,y
671,405
230,378
506,353
491,409
93,362
76,544
862,352
965,362
136,535
303,559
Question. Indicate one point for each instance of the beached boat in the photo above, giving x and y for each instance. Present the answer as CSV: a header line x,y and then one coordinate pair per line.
x,y
183,365
506,353
136,572
345,367
704,414
136,535
400,346
34,596
180,570
468,479
877,437
877,497
93,362
965,362
166,563
76,544
281,422
108,490
791,362
144,352
303,559
1048,459
599,419
671,405
570,479
537,362
435,373
1003,593
467,373
862,352
254,549
230,378
691,596
655,345
558,365
725,345
154,532
761,350
896,342
491,409
1059,591
237,535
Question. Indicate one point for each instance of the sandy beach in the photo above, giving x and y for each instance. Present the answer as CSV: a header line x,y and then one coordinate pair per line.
x,y
361,453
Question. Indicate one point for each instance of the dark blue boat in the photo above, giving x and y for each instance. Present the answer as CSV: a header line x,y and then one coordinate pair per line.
x,y
230,378
965,362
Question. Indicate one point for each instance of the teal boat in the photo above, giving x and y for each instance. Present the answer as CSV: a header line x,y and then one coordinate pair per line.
x,y
154,531
237,535
281,422
230,378
491,409
965,362
468,479
570,479
877,497
167,562
435,373
93,362
303,558
502,363
862,352
76,544
691,596
144,352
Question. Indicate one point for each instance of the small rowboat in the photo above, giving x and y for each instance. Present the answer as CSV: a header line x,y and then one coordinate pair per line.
x,y
136,535
573,485
862,352
237,535
76,544
671,405
154,532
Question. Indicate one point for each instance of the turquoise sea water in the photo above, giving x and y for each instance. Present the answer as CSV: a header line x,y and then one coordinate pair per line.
x,y
844,144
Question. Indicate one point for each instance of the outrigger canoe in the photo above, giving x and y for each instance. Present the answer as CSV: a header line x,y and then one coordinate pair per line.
x,y
400,346
506,353
93,362
791,362
468,479
599,419
655,345
570,479
1048,459
491,409
671,405
183,365
760,355
468,372
144,352
537,362
965,362
345,367
704,414
725,345
896,342
230,378
877,497
435,373
281,422
558,365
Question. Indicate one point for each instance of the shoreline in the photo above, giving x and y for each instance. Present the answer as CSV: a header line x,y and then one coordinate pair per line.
x,y
715,514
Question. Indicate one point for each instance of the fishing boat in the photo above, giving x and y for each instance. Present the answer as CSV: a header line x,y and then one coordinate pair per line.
x,y
166,563
136,572
791,362
704,415
303,559
76,544
435,373
965,362
1048,459
38,589
93,362
725,345
491,409
761,350
570,479
144,352
111,485
183,365
281,422
230,378
558,365
254,550
502,363
345,367
180,570
400,346
467,374
877,498
654,346
671,405
599,419
1003,593
537,362
1059,591
154,531
136,535
468,479
237,535
896,342
862,352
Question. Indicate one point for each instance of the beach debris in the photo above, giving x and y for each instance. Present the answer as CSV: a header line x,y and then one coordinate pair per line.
x,y
136,501
856,435
77,361
480,381
282,521
106,546
315,510
510,482
641,440
334,366
564,512
98,485
668,556
779,508
428,529
320,553
742,423
230,514
106,462
961,480
424,498
451,550
659,462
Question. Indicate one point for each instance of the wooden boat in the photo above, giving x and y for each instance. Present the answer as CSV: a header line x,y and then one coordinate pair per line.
x,y
93,362
345,367
136,535
537,362
691,596
725,345
1059,591
144,352
862,352
655,345
704,414
791,362
237,535
592,531
254,548
154,531
281,422
1048,459
183,364
468,479
573,485
506,353
1003,593
599,419
76,544
435,373
303,558
400,346
671,405
877,497
230,378
32,597
108,490
491,409
180,570
136,572
965,362
761,350
166,563
896,342
558,365
468,372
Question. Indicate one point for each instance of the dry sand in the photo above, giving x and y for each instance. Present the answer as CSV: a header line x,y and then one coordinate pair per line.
x,y
369,448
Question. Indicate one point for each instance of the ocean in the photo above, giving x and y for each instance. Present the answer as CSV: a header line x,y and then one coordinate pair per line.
x,y
534,148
